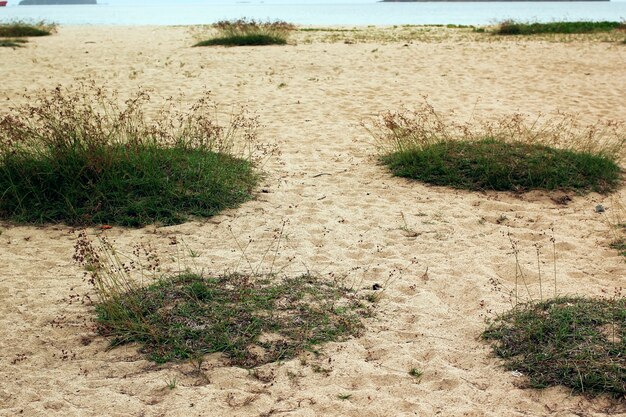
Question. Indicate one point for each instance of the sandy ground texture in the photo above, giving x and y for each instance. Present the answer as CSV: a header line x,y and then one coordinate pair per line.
x,y
344,217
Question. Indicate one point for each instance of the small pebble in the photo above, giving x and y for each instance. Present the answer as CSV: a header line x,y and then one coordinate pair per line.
x,y
600,208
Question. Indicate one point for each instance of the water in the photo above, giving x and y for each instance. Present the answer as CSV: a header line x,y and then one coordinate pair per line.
x,y
312,12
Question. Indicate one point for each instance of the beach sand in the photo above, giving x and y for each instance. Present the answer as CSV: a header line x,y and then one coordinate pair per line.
x,y
343,216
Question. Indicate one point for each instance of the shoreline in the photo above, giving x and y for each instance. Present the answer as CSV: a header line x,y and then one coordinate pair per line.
x,y
374,13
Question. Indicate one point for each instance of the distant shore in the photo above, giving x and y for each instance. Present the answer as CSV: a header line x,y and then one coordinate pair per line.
x,y
55,2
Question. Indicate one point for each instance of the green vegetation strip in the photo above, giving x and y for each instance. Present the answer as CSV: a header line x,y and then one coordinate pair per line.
x,y
620,246
252,321
128,186
80,158
518,28
576,342
248,32
12,43
496,165
244,40
20,29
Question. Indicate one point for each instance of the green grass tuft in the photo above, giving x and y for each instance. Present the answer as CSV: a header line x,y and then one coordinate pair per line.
x,y
496,165
416,373
20,29
244,40
81,159
620,246
510,27
148,184
579,343
515,152
244,32
12,43
252,321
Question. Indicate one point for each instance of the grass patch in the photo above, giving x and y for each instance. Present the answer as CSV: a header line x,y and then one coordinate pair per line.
x,y
511,27
495,165
616,221
80,158
245,32
511,154
326,30
416,373
12,43
20,29
252,320
244,40
579,343
620,246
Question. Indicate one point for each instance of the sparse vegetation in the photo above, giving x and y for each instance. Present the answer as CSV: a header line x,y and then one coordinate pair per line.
x,y
21,29
416,373
252,320
514,153
245,32
617,223
326,30
495,165
576,342
510,27
12,43
171,383
80,158
620,246
615,218
384,35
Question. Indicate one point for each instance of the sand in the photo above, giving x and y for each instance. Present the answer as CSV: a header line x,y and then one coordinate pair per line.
x,y
343,217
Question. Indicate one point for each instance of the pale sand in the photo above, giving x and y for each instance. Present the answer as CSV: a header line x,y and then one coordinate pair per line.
x,y
346,222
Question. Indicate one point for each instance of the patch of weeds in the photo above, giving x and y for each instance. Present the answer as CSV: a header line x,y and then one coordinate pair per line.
x,y
245,32
384,35
374,297
12,43
511,27
171,383
513,153
409,232
244,40
326,30
252,320
572,341
620,246
21,29
416,373
319,369
80,158
453,26
616,221
494,165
